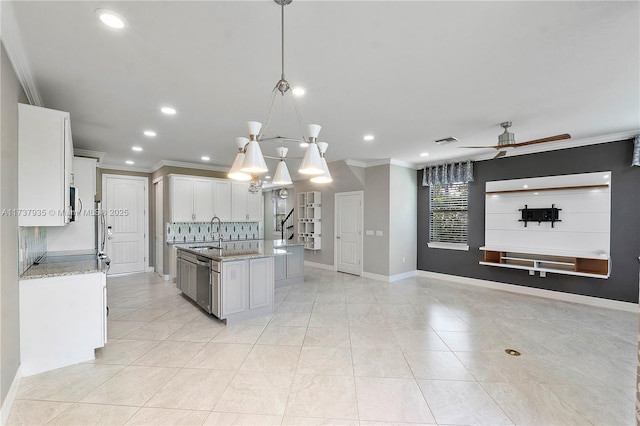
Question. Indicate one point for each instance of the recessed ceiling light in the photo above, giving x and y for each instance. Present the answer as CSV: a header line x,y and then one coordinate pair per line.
x,y
368,137
205,158
606,176
298,91
525,186
149,133
129,162
424,154
304,144
267,177
136,148
535,193
110,18
168,110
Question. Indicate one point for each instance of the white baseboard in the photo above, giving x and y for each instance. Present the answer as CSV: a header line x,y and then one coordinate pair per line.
x,y
389,278
548,294
319,265
150,269
11,397
166,277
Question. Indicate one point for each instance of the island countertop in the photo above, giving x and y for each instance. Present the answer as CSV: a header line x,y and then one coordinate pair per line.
x,y
56,265
241,249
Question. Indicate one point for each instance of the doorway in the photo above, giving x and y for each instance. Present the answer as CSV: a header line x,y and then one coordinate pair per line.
x,y
348,228
125,200
158,246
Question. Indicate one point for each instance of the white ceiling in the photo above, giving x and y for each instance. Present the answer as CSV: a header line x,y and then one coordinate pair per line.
x,y
407,72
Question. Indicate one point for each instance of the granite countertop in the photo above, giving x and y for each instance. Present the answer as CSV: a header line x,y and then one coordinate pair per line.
x,y
52,265
240,250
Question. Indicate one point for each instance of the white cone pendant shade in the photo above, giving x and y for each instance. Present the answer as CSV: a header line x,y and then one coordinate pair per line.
x,y
325,177
313,130
235,172
253,159
311,163
282,176
254,128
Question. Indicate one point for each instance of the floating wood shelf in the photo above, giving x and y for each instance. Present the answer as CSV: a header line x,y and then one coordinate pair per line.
x,y
555,188
594,266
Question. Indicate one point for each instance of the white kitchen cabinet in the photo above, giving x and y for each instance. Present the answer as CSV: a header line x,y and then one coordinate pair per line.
x,y
261,283
191,199
45,153
222,199
295,262
280,267
62,320
187,276
235,287
245,206
202,199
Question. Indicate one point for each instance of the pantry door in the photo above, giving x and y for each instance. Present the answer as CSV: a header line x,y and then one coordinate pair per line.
x,y
348,220
125,200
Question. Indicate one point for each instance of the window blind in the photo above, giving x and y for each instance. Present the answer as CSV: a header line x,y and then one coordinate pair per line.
x,y
448,216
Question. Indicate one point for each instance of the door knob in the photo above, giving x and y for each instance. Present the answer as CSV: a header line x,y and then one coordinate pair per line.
x,y
338,238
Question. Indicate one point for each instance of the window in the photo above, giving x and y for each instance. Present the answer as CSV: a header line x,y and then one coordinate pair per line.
x,y
279,213
448,215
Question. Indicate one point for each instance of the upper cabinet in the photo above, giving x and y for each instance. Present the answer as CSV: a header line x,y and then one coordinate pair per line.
x,y
198,199
222,199
244,205
45,174
191,199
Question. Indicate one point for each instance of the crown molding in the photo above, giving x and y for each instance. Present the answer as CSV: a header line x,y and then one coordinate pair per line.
x,y
12,41
89,153
355,163
163,163
123,168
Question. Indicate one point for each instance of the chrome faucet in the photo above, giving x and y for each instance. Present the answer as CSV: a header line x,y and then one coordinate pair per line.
x,y
219,229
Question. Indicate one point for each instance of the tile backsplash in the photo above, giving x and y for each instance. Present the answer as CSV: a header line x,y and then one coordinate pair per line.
x,y
188,232
33,244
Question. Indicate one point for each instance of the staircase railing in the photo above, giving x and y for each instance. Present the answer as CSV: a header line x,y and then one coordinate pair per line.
x,y
282,222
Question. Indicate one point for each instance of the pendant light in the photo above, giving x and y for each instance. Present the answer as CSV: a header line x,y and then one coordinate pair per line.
x,y
325,177
253,162
253,159
235,172
282,177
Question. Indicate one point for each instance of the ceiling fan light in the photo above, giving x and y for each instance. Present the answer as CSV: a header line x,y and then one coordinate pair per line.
x,y
254,127
313,130
282,176
253,159
235,173
311,163
324,177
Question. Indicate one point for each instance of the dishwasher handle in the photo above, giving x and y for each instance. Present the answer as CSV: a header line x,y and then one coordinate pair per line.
x,y
201,262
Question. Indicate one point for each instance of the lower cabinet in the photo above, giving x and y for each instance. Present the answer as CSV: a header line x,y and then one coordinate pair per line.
x,y
186,278
62,320
289,269
246,288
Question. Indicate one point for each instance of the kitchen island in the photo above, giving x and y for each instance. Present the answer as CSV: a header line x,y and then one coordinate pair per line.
x,y
235,280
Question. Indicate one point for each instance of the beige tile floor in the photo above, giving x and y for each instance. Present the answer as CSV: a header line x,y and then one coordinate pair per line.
x,y
346,350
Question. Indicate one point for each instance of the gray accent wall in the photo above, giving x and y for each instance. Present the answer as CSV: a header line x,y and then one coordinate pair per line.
x,y
11,95
625,220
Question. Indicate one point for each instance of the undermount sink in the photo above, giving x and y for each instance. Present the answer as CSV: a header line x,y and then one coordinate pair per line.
x,y
205,247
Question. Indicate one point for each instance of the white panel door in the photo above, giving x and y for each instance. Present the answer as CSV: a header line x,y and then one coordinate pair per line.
x,y
349,233
124,199
159,228
202,199
222,199
181,195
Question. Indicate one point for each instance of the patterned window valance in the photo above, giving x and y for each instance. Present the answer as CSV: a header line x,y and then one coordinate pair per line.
x,y
448,173
636,152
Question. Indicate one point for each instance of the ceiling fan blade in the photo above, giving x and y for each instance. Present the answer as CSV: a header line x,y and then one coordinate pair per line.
x,y
483,147
500,154
543,140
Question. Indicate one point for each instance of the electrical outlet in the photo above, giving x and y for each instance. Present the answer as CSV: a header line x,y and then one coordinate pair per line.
x,y
378,233
369,232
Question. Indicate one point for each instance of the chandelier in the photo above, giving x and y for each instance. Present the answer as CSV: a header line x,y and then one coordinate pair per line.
x,y
250,162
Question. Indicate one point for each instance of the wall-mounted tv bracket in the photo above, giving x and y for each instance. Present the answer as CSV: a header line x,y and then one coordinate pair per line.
x,y
540,215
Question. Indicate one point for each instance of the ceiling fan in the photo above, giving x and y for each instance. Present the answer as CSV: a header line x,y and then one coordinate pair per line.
x,y
508,140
